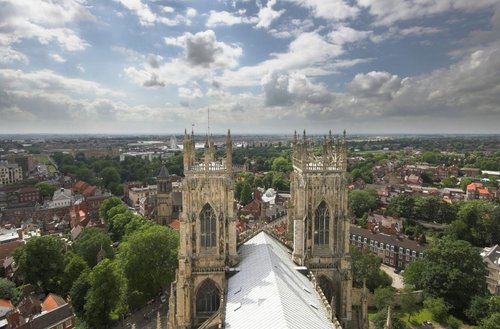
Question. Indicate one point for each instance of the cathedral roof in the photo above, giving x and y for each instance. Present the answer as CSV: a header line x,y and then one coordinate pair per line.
x,y
269,292
163,172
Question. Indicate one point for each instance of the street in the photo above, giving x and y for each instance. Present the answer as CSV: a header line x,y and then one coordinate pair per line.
x,y
146,318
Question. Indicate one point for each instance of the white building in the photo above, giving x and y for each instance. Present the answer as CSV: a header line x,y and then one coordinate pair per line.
x,y
62,198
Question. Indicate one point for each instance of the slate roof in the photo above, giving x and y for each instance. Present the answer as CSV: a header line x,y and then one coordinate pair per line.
x,y
49,319
268,292
163,172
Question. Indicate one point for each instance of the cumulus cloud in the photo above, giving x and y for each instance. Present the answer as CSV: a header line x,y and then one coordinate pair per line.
x,y
225,18
282,89
203,49
376,84
267,14
345,34
329,9
44,21
308,53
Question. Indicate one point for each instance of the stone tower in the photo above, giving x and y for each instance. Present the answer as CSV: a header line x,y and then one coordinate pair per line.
x,y
207,245
164,197
318,216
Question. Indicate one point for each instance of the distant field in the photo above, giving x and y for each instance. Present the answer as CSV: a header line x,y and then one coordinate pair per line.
x,y
44,159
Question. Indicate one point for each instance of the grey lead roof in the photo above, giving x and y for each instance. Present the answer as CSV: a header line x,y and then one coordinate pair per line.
x,y
268,292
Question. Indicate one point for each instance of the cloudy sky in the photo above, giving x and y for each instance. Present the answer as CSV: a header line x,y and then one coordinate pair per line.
x,y
268,66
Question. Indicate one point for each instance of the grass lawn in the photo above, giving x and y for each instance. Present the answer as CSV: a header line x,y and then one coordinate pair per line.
x,y
417,318
43,159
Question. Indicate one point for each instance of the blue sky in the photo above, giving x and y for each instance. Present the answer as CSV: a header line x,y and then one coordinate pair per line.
x,y
138,66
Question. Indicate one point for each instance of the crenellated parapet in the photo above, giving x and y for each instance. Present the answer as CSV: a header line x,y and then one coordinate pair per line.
x,y
209,164
333,156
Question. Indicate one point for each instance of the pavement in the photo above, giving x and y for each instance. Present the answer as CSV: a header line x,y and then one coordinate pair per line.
x,y
397,279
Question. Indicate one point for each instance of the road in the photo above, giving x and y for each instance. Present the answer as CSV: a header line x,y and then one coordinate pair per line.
x,y
146,318
397,279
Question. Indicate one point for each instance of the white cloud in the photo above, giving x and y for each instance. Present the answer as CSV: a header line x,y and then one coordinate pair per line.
x,y
44,21
376,84
168,9
345,34
387,12
80,68
203,49
286,89
191,12
267,14
329,9
143,12
57,58
224,18
308,52
9,55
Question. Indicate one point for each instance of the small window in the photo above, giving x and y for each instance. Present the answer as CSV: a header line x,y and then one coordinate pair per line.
x,y
68,323
414,253
381,245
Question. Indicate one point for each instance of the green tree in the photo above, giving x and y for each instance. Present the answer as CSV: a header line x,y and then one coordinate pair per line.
x,y
427,208
408,301
46,190
450,181
89,245
74,266
451,269
402,205
366,266
464,182
384,297
438,308
362,201
105,294
149,259
106,205
118,223
491,322
41,262
478,309
110,175
78,293
7,289
246,194
280,164
86,175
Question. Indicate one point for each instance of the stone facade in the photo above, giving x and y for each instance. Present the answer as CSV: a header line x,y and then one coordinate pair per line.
x,y
207,236
164,197
318,216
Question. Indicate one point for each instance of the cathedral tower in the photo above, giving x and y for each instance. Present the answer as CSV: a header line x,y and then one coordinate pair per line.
x,y
164,197
207,245
318,216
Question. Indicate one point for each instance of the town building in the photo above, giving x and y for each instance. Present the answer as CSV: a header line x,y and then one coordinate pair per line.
x,y
491,257
477,190
62,198
135,194
10,173
395,251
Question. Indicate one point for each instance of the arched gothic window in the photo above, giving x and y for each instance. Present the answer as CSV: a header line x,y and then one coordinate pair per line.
x,y
207,299
208,227
321,224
